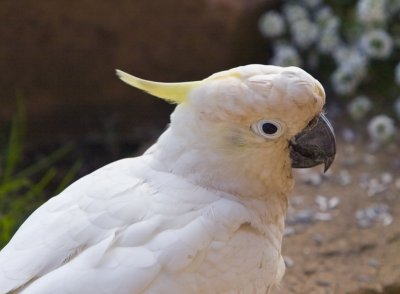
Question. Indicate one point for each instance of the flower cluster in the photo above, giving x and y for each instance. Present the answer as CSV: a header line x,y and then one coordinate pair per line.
x,y
359,107
381,128
354,49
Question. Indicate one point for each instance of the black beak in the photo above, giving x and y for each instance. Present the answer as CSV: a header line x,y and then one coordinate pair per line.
x,y
316,144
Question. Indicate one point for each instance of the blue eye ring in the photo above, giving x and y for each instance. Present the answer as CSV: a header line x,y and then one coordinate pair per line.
x,y
268,128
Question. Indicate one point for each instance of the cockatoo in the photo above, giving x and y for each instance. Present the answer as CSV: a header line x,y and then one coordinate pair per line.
x,y
201,211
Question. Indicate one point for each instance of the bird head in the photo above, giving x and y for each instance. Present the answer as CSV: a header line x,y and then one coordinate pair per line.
x,y
255,118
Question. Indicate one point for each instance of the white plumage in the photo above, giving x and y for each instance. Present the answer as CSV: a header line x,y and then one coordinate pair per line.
x,y
202,211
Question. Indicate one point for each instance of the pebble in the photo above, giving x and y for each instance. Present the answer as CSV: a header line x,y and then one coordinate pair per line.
x,y
304,216
289,262
333,202
322,202
318,239
386,219
364,223
386,178
372,262
288,231
313,179
375,186
325,203
344,177
377,212
323,216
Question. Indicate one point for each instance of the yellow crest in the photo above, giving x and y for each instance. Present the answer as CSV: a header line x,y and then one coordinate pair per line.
x,y
172,92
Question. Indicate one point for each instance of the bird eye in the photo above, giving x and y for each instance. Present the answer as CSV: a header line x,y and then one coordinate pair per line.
x,y
269,129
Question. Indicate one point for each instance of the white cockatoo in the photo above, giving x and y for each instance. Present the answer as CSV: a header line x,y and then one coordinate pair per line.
x,y
201,211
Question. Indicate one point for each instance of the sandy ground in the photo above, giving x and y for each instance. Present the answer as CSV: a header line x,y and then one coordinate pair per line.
x,y
343,228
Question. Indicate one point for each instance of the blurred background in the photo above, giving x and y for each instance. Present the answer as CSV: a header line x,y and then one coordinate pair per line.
x,y
64,113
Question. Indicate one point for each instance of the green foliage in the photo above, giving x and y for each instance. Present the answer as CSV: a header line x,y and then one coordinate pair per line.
x,y
23,189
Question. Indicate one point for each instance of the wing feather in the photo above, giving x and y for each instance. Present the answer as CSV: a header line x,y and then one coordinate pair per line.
x,y
113,231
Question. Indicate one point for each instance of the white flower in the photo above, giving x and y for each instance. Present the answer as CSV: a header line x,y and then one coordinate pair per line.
x,y
343,80
397,74
376,43
328,41
304,32
357,63
326,19
286,55
352,68
343,53
359,107
351,57
397,107
381,129
332,23
371,11
294,12
324,13
271,24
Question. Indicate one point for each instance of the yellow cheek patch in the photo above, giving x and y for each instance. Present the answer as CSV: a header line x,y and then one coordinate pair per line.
x,y
172,92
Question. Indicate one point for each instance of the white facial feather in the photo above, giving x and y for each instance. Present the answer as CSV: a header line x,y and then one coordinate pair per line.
x,y
211,133
260,91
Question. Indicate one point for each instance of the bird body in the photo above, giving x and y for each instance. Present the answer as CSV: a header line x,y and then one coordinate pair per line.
x,y
201,211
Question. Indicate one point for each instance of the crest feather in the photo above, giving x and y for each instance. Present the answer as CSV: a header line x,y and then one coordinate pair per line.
x,y
172,92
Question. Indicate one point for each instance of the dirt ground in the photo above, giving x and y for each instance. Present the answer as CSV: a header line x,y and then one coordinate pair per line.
x,y
343,228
